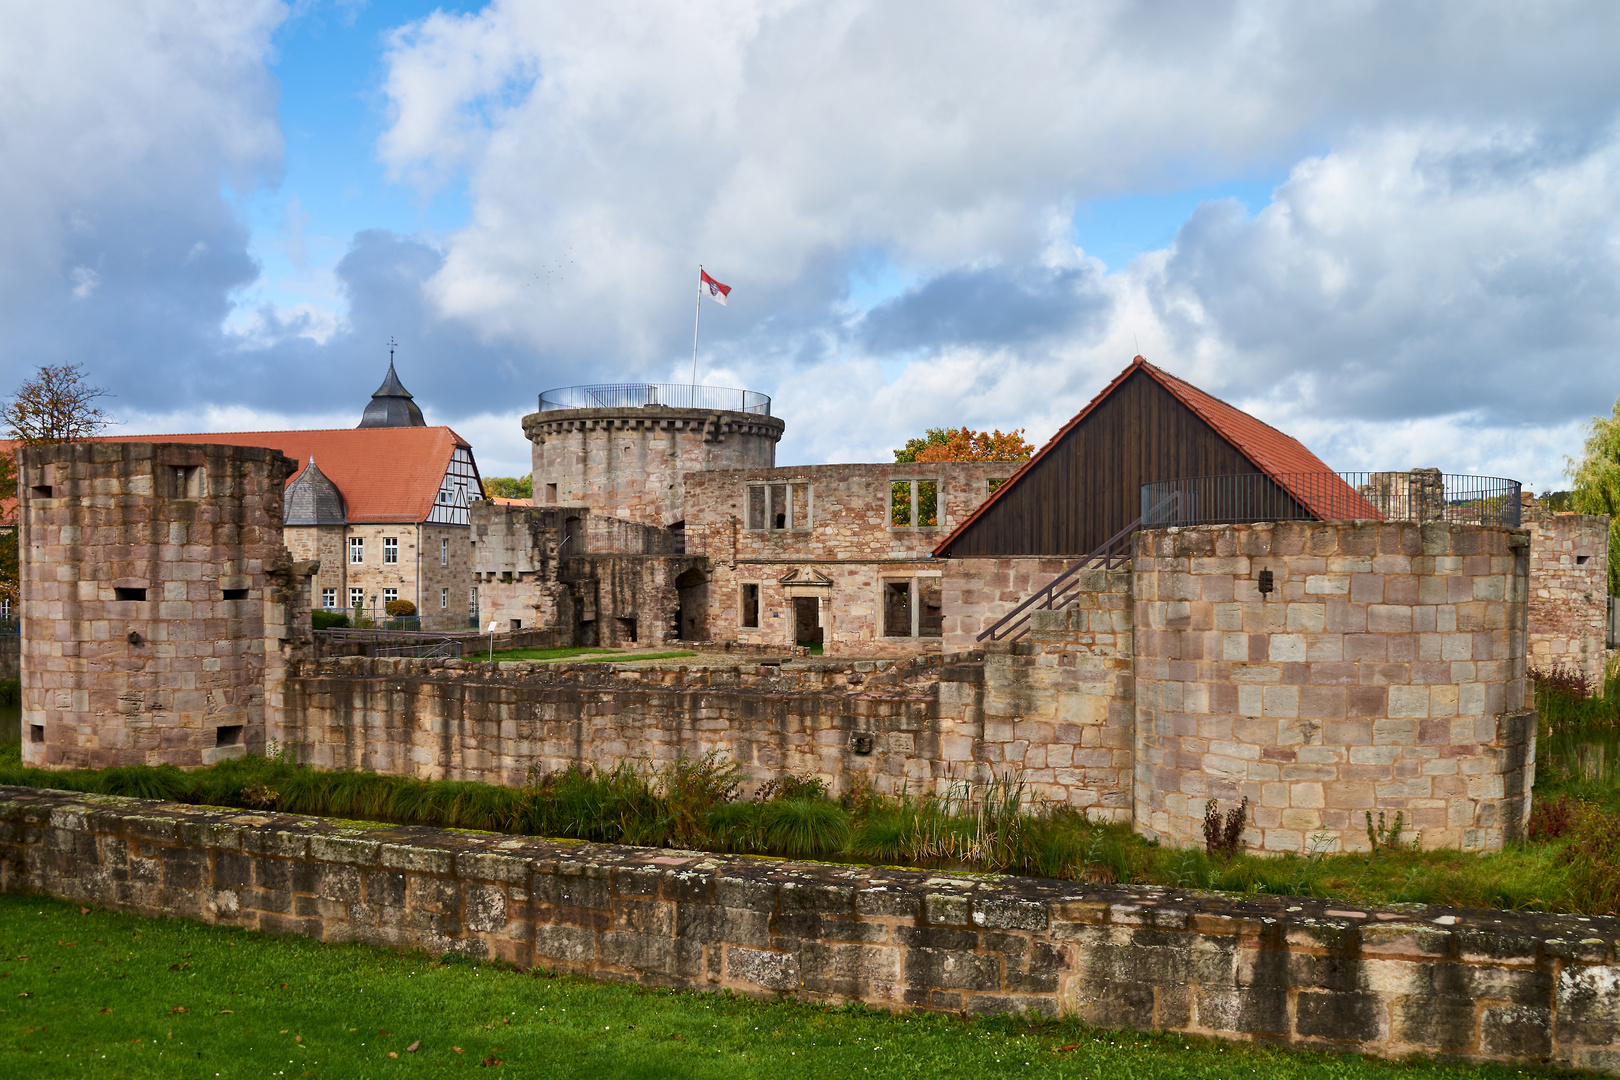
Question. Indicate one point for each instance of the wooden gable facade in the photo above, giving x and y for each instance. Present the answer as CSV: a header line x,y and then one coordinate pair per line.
x,y
1084,486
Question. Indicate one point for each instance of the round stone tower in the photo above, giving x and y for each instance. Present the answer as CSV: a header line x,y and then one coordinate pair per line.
x,y
622,450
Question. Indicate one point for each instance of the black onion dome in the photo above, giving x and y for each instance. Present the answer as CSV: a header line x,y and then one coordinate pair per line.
x,y
313,499
391,405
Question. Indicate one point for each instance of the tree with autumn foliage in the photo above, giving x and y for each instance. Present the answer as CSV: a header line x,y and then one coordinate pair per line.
x,y
965,444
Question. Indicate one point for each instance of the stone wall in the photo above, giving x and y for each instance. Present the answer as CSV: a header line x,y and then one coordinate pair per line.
x,y
630,463
154,600
1486,986
1383,672
839,552
1569,591
978,592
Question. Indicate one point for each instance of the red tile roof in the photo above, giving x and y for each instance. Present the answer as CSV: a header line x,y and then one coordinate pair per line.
x,y
386,474
1272,452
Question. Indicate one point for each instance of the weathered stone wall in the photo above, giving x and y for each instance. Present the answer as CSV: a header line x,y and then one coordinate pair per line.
x,y
629,463
1569,591
179,674
839,551
1385,672
1498,986
978,592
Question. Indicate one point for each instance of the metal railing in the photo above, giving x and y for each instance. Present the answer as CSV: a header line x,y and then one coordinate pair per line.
x,y
390,643
1113,554
1413,495
376,618
664,395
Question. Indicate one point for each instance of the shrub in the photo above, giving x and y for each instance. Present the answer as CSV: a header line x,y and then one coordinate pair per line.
x,y
1567,700
326,620
1221,838
792,787
1552,818
1595,853
400,608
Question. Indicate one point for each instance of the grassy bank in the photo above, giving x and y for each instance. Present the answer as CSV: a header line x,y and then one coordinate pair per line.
x,y
99,994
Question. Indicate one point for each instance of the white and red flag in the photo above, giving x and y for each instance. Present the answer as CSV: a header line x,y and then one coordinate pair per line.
x,y
716,290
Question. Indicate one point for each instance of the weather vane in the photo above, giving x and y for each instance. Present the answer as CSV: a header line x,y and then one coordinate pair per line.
x,y
391,344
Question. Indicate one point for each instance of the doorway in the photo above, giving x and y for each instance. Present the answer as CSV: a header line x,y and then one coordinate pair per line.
x,y
807,622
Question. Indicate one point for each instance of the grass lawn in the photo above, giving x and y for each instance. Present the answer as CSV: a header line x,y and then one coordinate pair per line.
x,y
100,994
581,655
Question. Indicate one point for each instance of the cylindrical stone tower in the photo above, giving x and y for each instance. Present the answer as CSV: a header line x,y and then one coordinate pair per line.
x,y
622,450
149,588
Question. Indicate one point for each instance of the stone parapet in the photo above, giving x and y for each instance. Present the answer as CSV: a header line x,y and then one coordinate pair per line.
x,y
1474,985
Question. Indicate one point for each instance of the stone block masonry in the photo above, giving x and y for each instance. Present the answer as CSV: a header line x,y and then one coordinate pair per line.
x,y
1327,670
1480,986
155,592
1569,589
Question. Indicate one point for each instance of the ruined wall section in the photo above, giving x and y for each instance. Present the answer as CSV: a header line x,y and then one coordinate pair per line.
x,y
1569,590
1383,672
629,463
837,549
154,584
979,592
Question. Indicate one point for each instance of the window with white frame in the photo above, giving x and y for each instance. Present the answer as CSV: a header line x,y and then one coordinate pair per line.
x,y
329,599
390,549
778,507
472,600
357,549
444,598
913,607
357,597
444,551
390,595
913,504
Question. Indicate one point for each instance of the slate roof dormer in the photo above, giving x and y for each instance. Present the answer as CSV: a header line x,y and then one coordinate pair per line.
x,y
313,499
391,405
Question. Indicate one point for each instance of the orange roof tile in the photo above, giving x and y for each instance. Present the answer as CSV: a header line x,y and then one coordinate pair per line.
x,y
387,474
1272,452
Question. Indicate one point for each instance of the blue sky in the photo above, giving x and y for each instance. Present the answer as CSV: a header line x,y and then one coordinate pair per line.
x,y
1392,231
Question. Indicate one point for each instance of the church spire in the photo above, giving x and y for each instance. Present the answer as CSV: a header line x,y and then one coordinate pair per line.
x,y
391,405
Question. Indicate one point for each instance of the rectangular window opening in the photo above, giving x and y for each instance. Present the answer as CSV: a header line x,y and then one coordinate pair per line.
x,y
444,598
357,549
186,481
129,594
329,599
930,607
799,500
36,732
444,552
750,606
357,598
900,504
897,608
228,735
914,504
996,482
756,507
627,630
236,594
779,506
551,494
472,600
43,490
927,504
390,595
390,549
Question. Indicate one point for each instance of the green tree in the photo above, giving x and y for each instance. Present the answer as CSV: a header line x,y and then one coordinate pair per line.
x,y
509,487
1597,482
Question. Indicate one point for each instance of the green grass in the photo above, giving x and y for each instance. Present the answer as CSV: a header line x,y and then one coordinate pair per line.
x,y
102,994
583,655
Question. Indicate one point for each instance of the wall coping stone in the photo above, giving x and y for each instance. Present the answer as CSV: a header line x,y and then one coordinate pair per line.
x,y
1311,972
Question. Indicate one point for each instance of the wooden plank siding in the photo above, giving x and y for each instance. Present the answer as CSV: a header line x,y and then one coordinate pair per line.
x,y
1085,489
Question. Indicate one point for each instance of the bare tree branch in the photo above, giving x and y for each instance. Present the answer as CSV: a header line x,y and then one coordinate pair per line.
x,y
56,405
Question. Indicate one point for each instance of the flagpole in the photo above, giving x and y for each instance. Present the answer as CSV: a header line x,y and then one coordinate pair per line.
x,y
697,319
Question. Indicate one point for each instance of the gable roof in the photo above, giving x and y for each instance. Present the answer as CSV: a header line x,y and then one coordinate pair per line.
x,y
386,474
1280,456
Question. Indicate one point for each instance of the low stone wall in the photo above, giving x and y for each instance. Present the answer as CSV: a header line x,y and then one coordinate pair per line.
x,y
1497,986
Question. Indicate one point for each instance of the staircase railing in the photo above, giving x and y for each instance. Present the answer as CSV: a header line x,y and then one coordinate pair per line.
x,y
1113,554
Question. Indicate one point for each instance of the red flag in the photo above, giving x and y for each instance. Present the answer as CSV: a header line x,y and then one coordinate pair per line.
x,y
716,290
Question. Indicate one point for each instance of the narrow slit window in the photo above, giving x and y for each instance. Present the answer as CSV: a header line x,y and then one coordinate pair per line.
x,y
756,507
900,503
551,494
750,606
930,606
129,594
236,594
927,504
444,598
444,551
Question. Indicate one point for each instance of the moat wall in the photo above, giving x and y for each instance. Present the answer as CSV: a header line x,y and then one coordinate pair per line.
x,y
1481,986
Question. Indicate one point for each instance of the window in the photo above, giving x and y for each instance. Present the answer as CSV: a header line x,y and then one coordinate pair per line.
x,y
228,735
551,494
329,599
357,549
444,598
235,594
749,615
390,549
921,494
772,507
129,594
357,597
444,552
390,595
914,607
996,482
472,600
